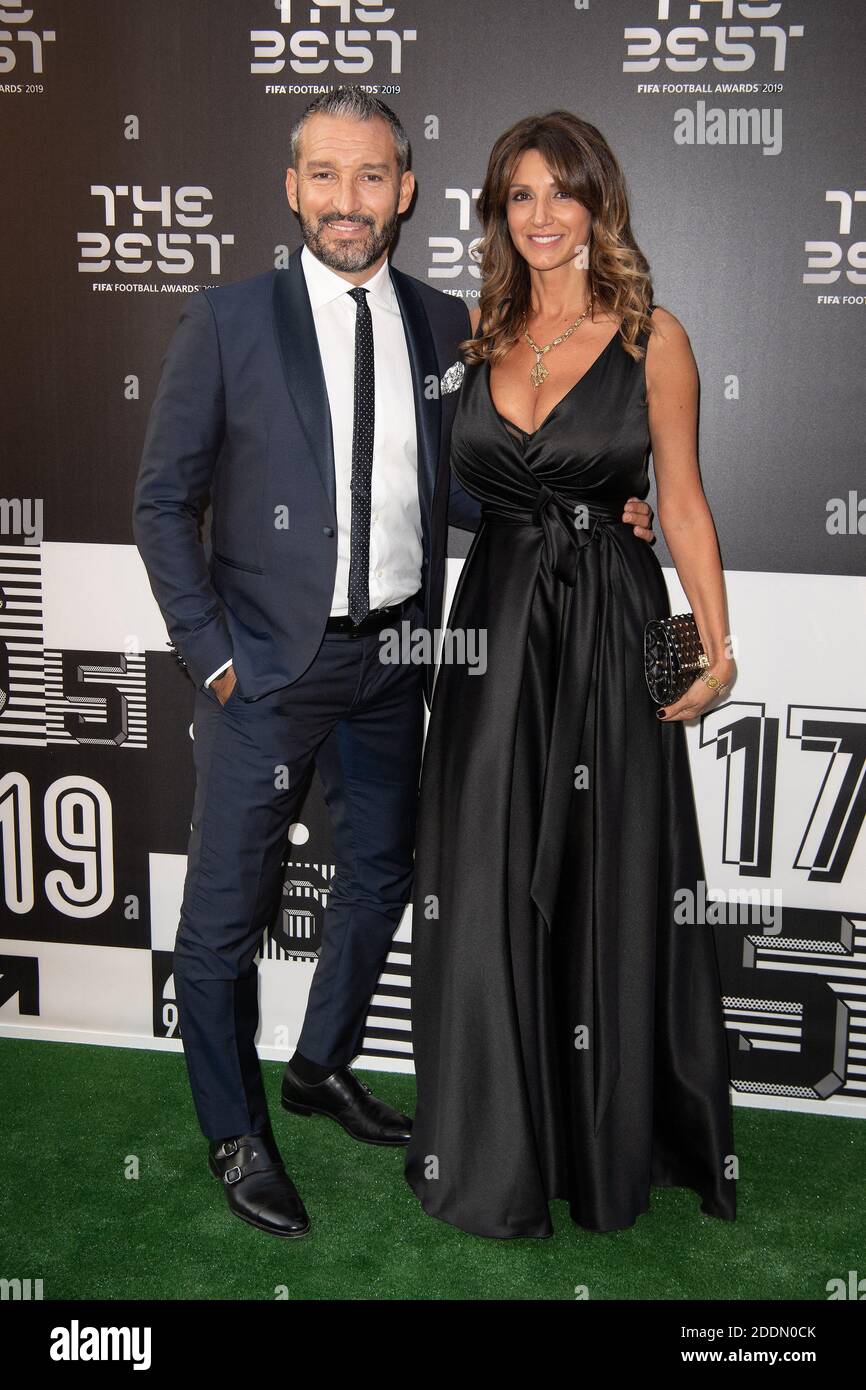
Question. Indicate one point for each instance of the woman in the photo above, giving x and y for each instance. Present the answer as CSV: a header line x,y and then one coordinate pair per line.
x,y
568,1033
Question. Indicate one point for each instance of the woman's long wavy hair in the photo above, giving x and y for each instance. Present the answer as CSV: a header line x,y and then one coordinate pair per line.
x,y
583,164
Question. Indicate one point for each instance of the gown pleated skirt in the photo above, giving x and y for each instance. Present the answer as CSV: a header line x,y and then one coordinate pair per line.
x,y
567,1029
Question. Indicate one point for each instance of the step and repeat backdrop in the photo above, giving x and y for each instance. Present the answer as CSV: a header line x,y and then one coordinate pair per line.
x,y
145,148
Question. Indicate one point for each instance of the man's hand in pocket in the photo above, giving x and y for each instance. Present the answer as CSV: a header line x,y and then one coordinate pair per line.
x,y
224,684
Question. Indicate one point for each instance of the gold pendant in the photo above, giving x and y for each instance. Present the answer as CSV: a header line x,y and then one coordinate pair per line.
x,y
539,373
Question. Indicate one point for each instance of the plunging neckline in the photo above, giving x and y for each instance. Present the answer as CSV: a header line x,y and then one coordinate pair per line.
x,y
530,434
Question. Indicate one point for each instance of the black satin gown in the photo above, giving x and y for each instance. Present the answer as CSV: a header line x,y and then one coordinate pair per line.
x,y
568,1033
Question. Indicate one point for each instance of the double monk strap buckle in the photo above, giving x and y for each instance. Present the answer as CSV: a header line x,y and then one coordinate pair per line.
x,y
257,1187
235,1174
255,1155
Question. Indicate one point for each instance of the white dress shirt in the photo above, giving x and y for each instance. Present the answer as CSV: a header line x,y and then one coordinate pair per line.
x,y
396,550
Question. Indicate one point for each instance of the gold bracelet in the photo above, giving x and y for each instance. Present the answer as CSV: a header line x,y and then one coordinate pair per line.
x,y
714,683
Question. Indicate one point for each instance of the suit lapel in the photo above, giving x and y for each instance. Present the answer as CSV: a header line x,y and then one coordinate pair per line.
x,y
305,380
302,367
424,364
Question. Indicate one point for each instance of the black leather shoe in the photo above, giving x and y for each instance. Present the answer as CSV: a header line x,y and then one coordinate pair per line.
x,y
258,1188
348,1101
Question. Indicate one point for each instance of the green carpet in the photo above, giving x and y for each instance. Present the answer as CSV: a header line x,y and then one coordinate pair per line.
x,y
77,1116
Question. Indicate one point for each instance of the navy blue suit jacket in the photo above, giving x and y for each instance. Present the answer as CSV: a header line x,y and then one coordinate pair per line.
x,y
241,418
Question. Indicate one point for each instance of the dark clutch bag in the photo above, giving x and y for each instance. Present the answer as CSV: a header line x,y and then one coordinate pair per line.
x,y
674,656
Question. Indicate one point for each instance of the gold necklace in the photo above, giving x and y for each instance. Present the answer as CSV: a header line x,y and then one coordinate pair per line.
x,y
539,372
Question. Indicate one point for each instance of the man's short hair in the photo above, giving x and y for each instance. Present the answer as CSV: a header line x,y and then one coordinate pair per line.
x,y
359,105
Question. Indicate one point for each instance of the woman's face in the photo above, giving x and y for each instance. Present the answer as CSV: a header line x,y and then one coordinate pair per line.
x,y
548,226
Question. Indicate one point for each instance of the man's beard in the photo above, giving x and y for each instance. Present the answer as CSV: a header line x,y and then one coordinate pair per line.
x,y
349,255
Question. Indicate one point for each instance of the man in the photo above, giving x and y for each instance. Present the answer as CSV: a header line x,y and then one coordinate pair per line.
x,y
306,402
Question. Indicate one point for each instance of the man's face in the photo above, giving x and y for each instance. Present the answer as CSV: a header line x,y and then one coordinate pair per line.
x,y
347,193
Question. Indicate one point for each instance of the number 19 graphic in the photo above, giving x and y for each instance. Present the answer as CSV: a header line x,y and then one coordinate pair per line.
x,y
78,829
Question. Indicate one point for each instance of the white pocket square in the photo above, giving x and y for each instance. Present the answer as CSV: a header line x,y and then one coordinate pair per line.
x,y
452,379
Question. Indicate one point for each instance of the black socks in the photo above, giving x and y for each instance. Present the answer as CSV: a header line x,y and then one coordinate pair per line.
x,y
311,1072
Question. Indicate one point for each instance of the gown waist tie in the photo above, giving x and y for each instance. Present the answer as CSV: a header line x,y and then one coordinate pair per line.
x,y
568,526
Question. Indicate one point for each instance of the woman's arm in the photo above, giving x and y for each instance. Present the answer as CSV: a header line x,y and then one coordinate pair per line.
x,y
683,512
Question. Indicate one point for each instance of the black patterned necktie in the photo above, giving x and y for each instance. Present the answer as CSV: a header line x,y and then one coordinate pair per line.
x,y
362,460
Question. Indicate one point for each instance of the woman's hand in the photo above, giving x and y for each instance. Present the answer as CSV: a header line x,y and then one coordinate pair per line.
x,y
699,694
